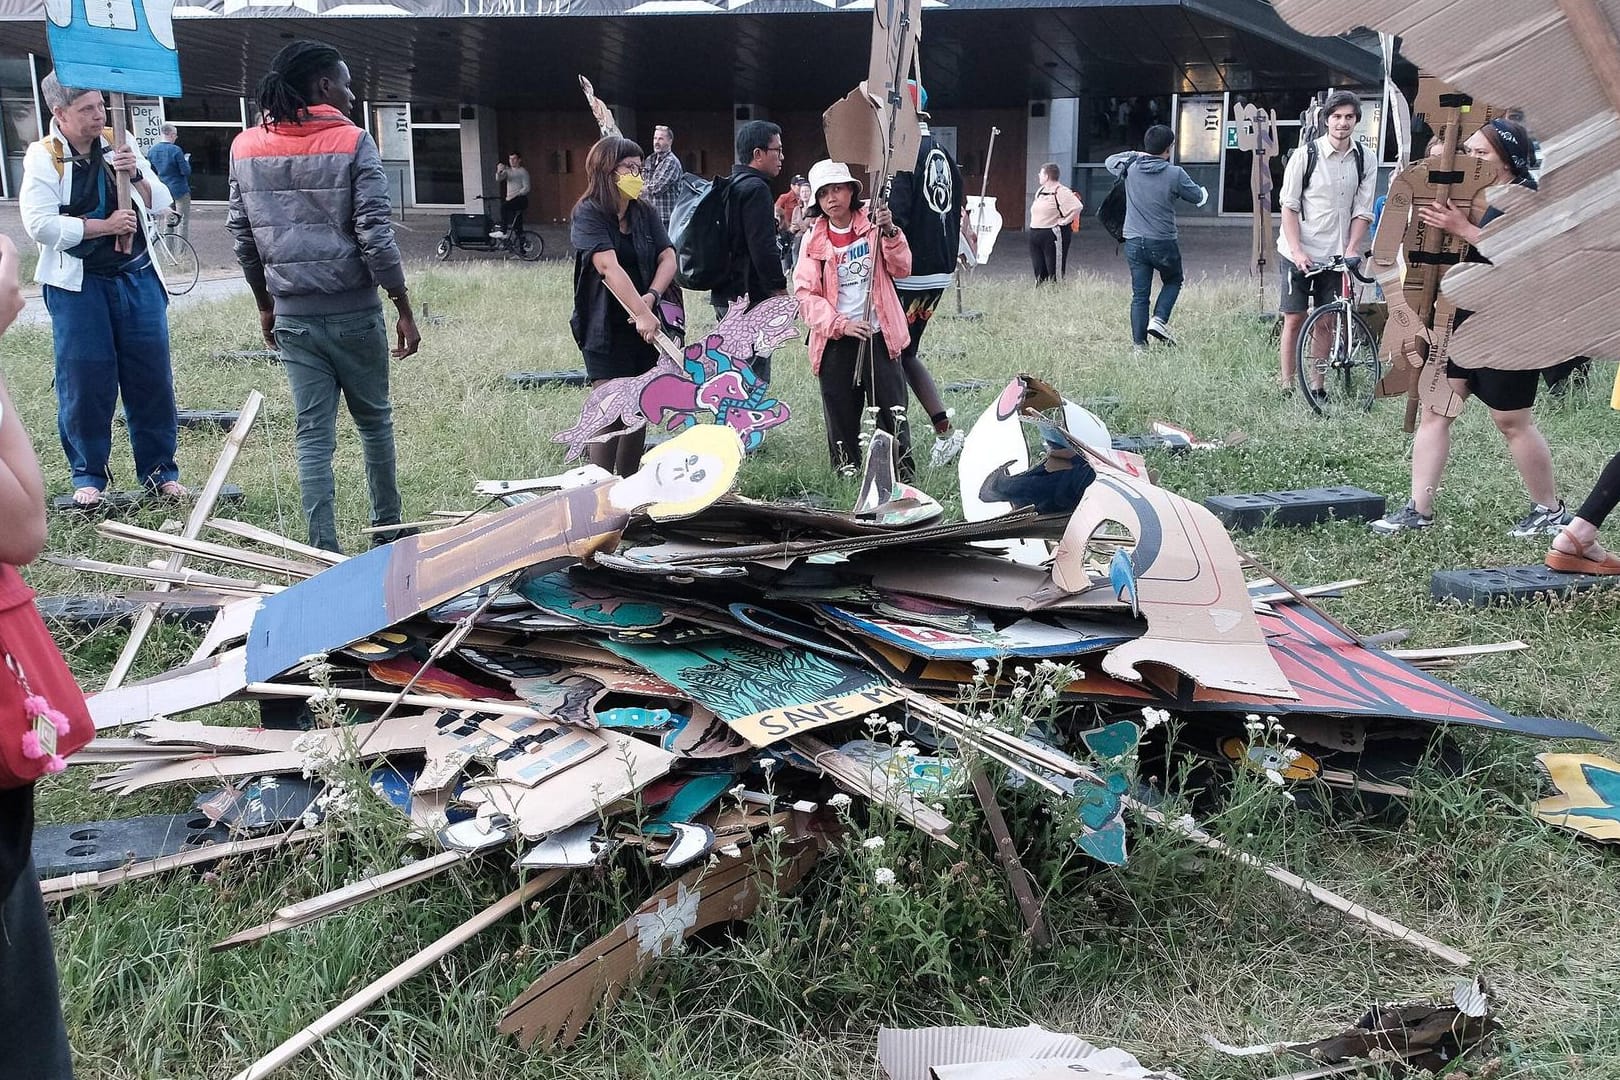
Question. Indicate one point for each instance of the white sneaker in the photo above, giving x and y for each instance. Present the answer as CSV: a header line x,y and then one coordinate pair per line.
x,y
1158,329
947,448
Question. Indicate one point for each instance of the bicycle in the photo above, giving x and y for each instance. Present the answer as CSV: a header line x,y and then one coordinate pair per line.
x,y
176,258
478,232
1336,358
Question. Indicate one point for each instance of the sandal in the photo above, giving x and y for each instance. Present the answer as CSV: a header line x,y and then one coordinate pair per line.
x,y
87,497
172,489
1565,563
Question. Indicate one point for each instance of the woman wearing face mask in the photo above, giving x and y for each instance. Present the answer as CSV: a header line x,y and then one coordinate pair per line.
x,y
623,263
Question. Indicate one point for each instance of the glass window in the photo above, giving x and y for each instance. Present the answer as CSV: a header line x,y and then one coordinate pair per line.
x,y
207,107
437,153
1115,123
436,114
210,150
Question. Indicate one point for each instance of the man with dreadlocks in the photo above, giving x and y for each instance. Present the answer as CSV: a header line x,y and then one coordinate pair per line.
x,y
310,214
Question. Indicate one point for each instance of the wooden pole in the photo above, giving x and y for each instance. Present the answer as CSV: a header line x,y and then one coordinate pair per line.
x,y
124,244
1017,878
417,964
205,499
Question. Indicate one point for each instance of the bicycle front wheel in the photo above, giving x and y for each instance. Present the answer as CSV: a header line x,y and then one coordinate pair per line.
x,y
1338,369
529,246
177,259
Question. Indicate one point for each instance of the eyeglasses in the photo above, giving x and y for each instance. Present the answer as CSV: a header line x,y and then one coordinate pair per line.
x,y
626,168
776,150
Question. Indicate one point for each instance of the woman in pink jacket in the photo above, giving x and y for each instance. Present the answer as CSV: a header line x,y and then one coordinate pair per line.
x,y
848,255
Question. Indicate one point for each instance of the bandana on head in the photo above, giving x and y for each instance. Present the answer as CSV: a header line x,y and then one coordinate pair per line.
x,y
1513,148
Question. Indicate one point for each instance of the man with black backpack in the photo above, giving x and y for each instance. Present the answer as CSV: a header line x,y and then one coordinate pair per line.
x,y
754,269
1151,186
1327,209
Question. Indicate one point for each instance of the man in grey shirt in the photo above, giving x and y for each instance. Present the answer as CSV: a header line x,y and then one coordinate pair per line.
x,y
1152,186
516,178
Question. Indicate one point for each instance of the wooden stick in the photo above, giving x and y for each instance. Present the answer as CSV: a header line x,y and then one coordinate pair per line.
x,y
134,534
1017,877
1383,924
1452,652
210,492
60,888
152,573
382,697
423,960
431,523
331,903
124,244
276,540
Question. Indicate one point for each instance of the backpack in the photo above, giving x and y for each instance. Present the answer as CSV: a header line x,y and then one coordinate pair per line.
x,y
703,252
688,190
1111,214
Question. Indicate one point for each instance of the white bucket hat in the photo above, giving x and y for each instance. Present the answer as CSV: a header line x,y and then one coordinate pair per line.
x,y
826,172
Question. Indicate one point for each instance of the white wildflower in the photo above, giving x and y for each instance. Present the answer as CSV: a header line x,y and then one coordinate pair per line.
x,y
730,851
839,801
1152,718
895,727
883,876
872,843
981,665
1275,777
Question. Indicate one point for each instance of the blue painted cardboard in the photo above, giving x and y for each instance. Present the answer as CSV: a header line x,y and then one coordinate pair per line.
x,y
123,46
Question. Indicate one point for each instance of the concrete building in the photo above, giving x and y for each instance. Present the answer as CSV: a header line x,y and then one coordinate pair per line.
x,y
449,87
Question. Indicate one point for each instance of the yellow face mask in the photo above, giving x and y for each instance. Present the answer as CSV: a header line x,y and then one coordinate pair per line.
x,y
631,186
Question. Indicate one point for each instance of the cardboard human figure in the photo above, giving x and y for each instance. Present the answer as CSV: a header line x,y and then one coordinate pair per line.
x,y
709,382
1257,133
1409,258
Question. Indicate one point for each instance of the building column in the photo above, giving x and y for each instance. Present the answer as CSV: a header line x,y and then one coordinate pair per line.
x,y
1053,134
479,155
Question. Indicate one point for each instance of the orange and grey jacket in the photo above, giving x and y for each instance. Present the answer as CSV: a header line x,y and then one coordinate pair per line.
x,y
310,214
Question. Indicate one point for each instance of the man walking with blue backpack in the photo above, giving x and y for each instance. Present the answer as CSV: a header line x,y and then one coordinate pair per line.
x,y
1152,185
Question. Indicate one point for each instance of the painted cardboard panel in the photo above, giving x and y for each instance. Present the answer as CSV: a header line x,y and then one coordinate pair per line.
x,y
1189,585
1026,637
124,46
1587,795
590,602
765,694
390,584
1333,676
579,792
919,1053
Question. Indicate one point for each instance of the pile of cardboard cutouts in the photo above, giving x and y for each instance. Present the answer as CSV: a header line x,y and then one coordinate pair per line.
x,y
591,668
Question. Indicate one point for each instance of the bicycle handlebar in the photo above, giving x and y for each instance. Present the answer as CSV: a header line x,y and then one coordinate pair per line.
x,y
1340,264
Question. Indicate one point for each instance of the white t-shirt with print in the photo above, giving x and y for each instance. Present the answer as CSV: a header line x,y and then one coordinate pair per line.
x,y
852,256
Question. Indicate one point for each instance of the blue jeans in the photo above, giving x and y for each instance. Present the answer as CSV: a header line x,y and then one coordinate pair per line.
x,y
325,355
112,336
1144,257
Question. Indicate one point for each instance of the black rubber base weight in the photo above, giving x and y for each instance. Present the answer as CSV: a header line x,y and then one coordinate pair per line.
x,y
1512,584
125,500
103,845
1142,444
89,612
1308,506
530,380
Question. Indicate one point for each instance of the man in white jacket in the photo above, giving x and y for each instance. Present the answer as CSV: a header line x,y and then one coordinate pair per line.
x,y
109,310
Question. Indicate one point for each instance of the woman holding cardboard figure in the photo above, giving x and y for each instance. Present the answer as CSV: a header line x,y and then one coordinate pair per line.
x,y
844,282
623,263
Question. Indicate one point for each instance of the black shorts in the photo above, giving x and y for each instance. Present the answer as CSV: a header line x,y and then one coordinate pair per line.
x,y
625,359
1504,391
1300,292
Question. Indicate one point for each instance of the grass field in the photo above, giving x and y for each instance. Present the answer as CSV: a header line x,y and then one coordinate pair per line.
x,y
1150,957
